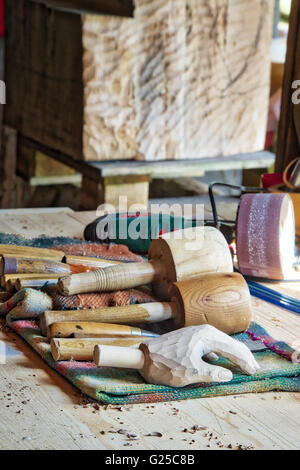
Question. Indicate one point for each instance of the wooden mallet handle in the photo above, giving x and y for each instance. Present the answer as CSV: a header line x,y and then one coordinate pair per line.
x,y
122,276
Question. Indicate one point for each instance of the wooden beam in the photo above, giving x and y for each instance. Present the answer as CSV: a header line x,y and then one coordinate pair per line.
x,y
157,169
289,126
80,166
106,7
169,169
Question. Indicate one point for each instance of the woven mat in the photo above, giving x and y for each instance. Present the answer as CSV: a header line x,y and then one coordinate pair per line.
x,y
75,247
123,386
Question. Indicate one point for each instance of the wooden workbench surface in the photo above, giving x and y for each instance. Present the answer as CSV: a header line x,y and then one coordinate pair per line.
x,y
41,410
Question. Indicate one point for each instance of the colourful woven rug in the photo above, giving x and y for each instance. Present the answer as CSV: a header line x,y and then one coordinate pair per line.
x,y
123,386
74,247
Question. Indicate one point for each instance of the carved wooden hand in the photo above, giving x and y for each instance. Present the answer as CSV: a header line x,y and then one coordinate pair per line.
x,y
178,358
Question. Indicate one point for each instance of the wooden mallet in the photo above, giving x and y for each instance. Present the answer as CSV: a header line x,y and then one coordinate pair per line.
x,y
175,359
184,254
221,300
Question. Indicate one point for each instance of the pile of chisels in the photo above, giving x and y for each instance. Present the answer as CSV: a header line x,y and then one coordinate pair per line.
x,y
191,273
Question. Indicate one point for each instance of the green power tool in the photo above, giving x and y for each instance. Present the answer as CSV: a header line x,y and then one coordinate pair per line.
x,y
135,230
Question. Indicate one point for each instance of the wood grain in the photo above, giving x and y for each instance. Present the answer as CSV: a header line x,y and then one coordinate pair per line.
x,y
159,72
125,315
189,79
187,255
109,130
220,300
123,276
29,252
34,224
180,80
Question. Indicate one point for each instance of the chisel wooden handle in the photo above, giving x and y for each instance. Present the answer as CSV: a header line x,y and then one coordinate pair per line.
x,y
35,283
83,349
127,315
9,281
15,251
11,265
122,276
68,329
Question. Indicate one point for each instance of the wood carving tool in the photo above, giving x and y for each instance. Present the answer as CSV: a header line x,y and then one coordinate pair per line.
x,y
221,300
32,265
16,251
176,256
93,329
83,349
8,281
37,283
175,359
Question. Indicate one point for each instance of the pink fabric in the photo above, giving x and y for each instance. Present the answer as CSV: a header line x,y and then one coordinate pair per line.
x,y
258,234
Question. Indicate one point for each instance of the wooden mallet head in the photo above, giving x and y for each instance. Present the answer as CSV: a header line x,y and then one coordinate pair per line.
x,y
220,300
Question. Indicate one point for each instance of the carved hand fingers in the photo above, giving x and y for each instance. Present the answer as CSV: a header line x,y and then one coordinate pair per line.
x,y
225,346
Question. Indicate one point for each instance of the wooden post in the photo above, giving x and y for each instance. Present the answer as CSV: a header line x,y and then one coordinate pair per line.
x,y
289,127
109,189
91,194
8,163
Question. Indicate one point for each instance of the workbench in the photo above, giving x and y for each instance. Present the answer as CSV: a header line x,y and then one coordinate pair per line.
x,y
107,181
41,410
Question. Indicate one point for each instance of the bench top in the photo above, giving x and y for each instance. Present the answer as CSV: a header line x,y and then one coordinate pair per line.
x,y
166,169
184,168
